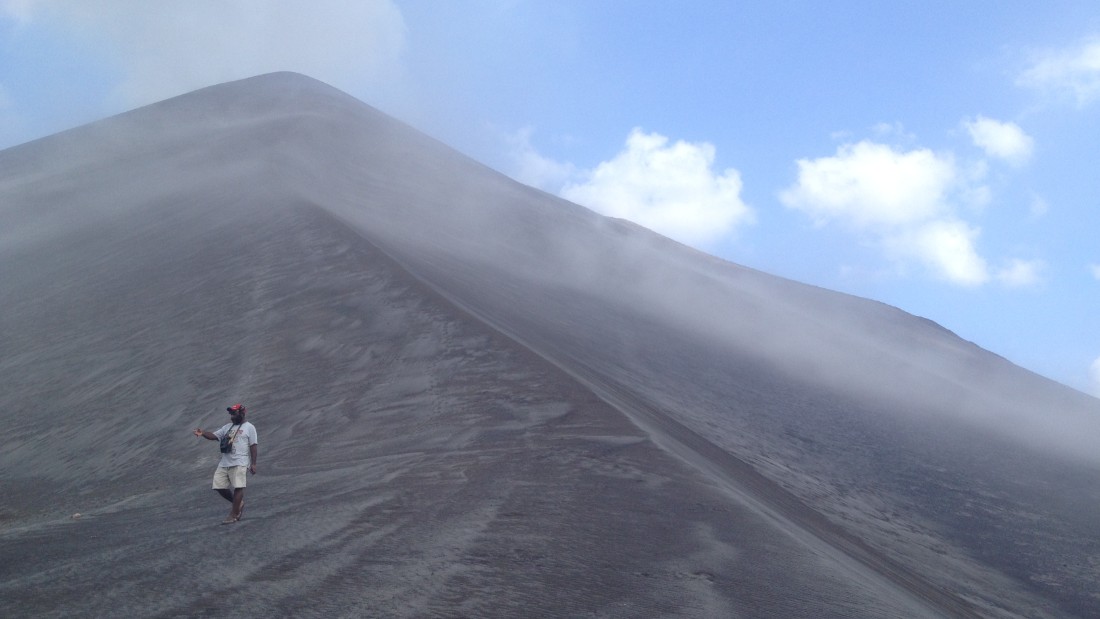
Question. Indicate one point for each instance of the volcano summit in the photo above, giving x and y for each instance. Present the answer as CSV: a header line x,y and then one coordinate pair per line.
x,y
479,400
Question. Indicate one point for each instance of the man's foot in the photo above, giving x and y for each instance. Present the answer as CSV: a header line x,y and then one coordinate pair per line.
x,y
230,520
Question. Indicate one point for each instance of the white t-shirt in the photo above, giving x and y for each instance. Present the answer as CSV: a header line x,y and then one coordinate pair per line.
x,y
245,435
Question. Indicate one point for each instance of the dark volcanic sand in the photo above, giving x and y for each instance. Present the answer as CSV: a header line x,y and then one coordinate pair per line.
x,y
413,463
473,402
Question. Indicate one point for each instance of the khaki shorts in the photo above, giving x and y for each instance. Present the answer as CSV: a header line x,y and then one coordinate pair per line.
x,y
230,476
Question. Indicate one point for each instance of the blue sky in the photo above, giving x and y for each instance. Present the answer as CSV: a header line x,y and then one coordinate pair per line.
x,y
937,155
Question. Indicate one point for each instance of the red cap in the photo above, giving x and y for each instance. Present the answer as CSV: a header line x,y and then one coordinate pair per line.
x,y
235,408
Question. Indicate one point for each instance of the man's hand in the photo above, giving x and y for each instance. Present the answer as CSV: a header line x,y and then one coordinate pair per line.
x,y
252,469
198,431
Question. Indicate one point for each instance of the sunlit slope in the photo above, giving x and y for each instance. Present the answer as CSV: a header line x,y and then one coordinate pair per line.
x,y
162,258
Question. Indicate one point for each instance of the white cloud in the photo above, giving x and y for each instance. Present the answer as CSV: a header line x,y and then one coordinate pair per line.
x,y
1002,140
946,248
871,185
165,49
904,200
1094,377
669,188
1072,72
1021,273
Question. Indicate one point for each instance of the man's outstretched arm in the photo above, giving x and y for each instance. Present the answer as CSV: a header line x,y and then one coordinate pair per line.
x,y
206,434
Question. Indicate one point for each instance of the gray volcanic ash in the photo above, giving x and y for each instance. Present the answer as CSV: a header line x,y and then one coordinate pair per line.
x,y
476,399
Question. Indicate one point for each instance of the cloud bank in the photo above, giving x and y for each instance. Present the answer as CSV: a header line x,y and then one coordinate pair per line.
x,y
903,200
911,202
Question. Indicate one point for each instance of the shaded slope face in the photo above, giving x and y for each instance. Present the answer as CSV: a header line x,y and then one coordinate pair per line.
x,y
475,399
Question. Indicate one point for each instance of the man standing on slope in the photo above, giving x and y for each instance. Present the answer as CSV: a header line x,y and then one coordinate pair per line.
x,y
238,442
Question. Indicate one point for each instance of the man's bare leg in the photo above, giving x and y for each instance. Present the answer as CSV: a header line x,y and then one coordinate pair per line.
x,y
238,504
226,493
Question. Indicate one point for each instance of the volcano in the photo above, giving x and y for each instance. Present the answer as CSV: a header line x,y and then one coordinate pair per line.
x,y
475,399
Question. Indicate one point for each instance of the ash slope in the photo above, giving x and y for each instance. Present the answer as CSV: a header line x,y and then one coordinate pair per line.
x,y
478,400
